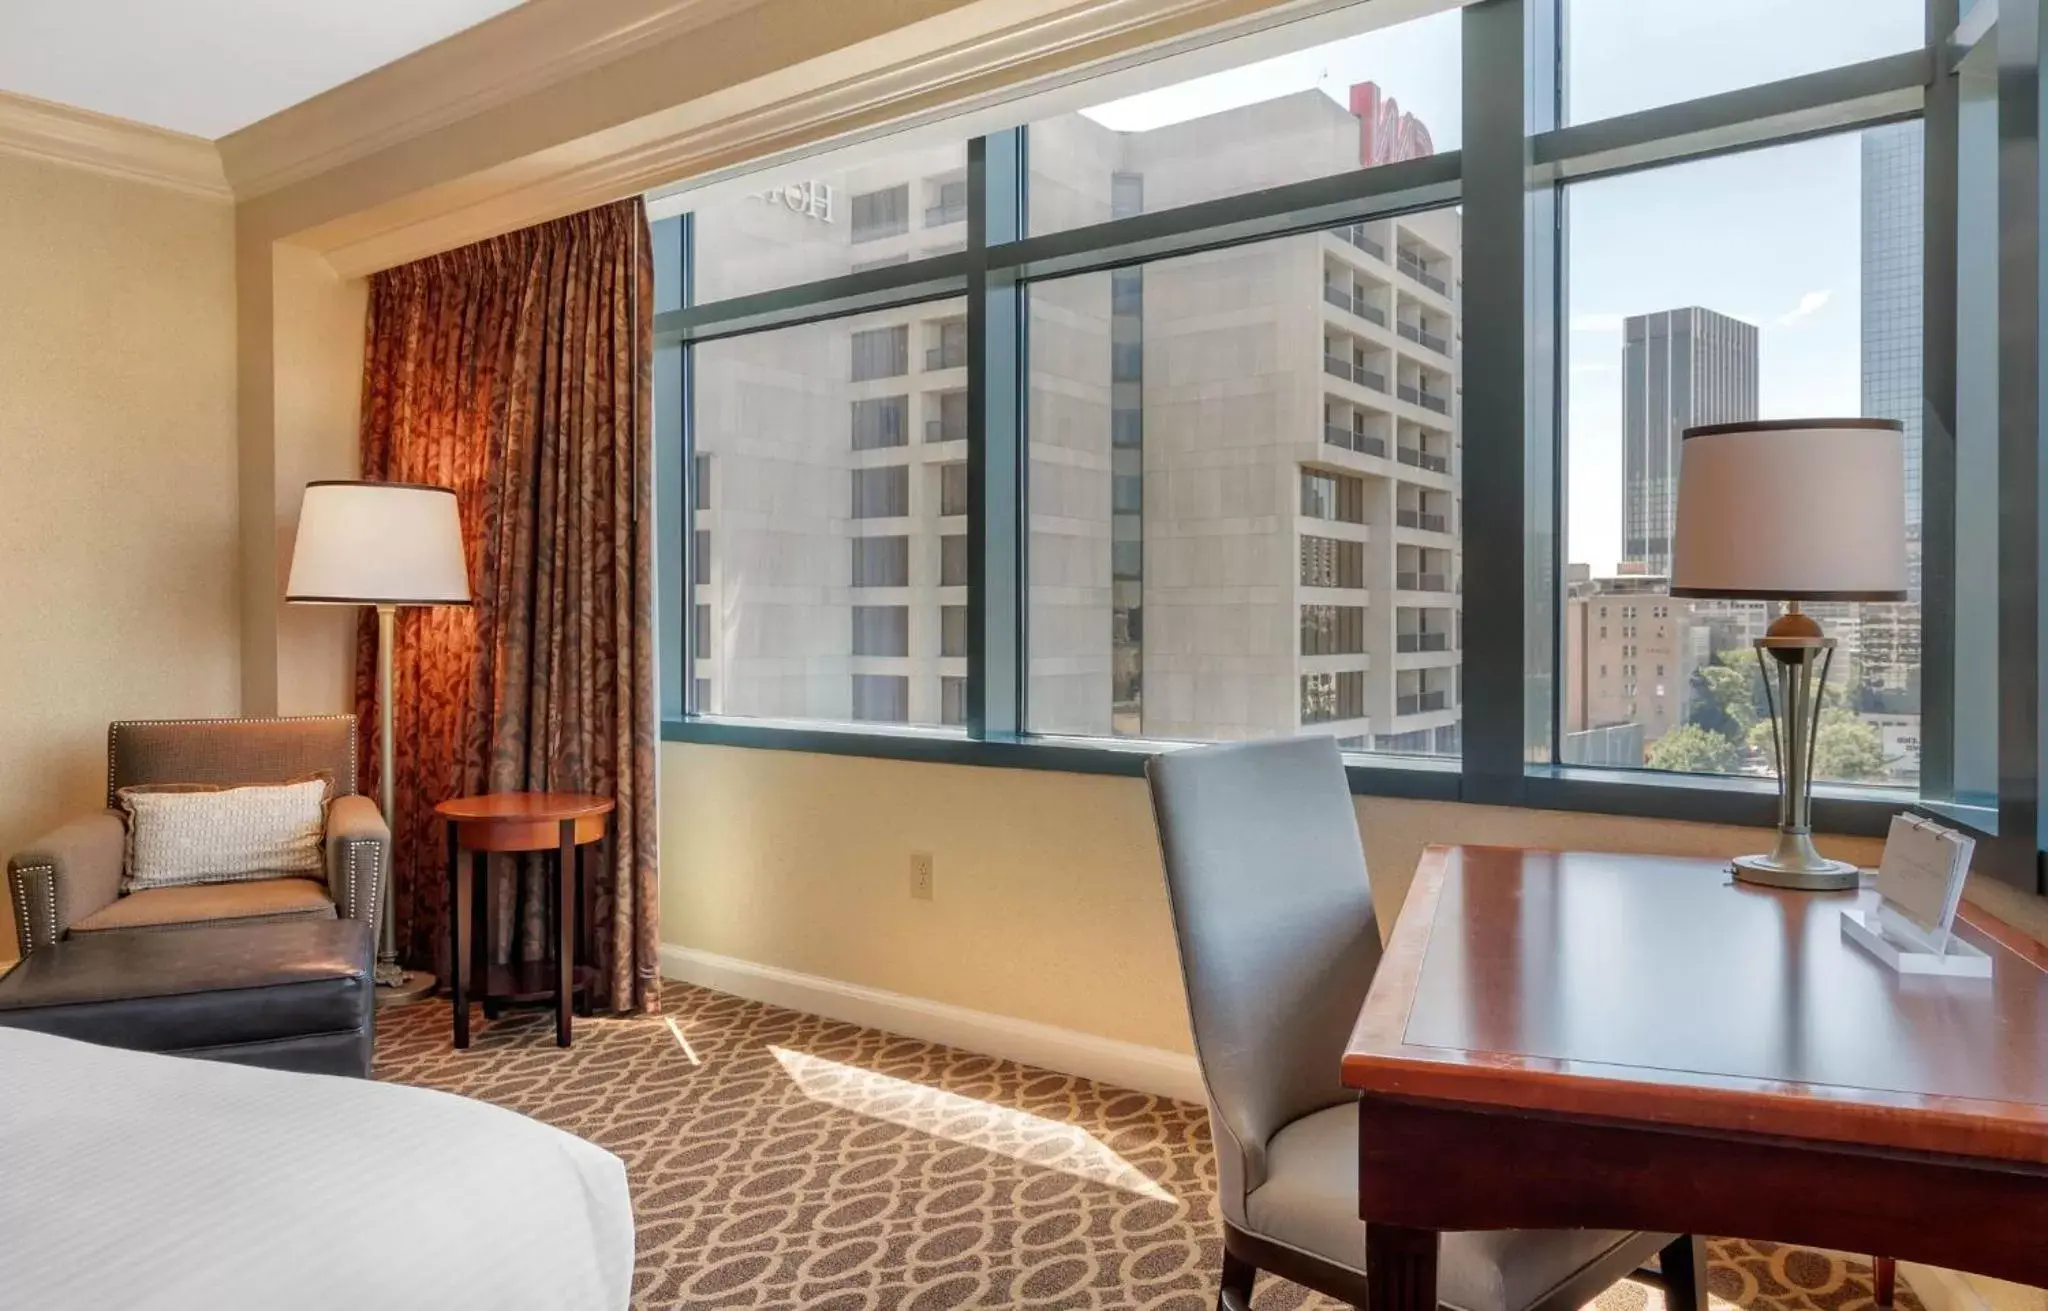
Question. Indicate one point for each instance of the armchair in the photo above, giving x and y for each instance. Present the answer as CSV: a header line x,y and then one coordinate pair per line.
x,y
69,882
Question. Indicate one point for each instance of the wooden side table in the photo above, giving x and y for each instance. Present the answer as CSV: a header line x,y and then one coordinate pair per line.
x,y
561,822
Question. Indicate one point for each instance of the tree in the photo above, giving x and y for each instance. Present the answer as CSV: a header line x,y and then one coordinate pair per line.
x,y
1847,749
1693,750
1723,700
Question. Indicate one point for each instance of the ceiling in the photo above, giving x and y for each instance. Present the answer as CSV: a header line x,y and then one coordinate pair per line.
x,y
208,67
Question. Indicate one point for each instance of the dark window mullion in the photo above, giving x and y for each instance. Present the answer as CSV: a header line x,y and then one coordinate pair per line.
x,y
995,546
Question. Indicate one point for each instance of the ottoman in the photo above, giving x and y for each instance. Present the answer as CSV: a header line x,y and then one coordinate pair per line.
x,y
292,996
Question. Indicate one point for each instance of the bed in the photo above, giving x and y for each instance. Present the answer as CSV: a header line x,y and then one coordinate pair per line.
x,y
135,1180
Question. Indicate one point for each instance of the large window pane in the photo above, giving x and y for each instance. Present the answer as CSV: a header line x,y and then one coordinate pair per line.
x,y
822,573
1625,55
1367,98
1779,283
1230,538
832,214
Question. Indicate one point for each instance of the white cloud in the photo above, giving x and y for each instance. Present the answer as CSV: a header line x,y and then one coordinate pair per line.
x,y
1597,322
1812,303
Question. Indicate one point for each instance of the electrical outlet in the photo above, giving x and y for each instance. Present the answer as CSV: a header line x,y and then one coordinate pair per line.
x,y
921,875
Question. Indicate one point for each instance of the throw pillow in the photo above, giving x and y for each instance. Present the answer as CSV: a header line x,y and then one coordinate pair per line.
x,y
180,834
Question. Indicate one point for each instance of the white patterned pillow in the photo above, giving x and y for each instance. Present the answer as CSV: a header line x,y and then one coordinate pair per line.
x,y
179,835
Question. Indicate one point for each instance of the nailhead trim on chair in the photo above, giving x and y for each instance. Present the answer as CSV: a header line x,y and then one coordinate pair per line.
x,y
114,734
24,926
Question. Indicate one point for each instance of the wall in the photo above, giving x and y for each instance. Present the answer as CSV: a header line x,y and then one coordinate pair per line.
x,y
117,448
1049,905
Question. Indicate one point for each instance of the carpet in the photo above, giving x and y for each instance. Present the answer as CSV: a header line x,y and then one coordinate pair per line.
x,y
779,1159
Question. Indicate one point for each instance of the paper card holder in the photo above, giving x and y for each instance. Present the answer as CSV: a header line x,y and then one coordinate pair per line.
x,y
1894,941
1920,886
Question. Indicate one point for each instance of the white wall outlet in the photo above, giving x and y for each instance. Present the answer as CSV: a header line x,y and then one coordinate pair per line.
x,y
921,875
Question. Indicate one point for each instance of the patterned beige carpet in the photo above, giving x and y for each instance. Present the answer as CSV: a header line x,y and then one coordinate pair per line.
x,y
782,1160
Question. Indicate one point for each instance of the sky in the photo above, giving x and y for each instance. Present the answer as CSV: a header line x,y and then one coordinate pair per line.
x,y
1770,236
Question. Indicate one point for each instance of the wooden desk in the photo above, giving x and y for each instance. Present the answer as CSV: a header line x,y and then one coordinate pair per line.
x,y
1557,1040
559,822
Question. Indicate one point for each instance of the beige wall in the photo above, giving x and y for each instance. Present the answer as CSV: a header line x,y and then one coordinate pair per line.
x,y
117,451
1049,904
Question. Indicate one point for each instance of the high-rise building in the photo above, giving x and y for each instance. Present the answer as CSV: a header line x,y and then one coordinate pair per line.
x,y
1889,656
1680,368
1243,495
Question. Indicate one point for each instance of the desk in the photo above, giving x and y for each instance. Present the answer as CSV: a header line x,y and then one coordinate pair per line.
x,y
1563,1039
559,822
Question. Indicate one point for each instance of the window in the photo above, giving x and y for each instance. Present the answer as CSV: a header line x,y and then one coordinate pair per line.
x,y
799,222
948,204
881,353
1327,698
882,493
790,523
1190,135
952,700
701,476
701,556
1625,55
1332,630
880,421
953,560
1328,562
881,698
702,690
1158,539
884,213
881,630
953,488
952,630
950,422
1689,307
948,349
881,561
1332,496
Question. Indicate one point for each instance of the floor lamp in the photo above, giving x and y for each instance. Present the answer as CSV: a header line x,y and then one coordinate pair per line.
x,y
386,545
1800,510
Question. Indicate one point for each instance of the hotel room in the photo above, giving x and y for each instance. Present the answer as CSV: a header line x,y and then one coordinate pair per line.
x,y
1055,653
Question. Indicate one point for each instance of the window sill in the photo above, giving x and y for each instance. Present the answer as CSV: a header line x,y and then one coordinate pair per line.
x,y
1745,802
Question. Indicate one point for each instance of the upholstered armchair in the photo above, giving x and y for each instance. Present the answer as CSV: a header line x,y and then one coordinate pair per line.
x,y
69,882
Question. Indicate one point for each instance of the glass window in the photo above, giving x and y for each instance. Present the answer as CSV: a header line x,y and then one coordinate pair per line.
x,y
700,554
824,216
948,421
881,561
881,352
881,698
1182,132
880,421
1625,55
799,520
881,493
701,476
953,488
952,701
953,560
1175,516
881,630
948,345
1692,303
953,630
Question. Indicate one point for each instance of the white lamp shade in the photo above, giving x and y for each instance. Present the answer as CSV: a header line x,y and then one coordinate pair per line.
x,y
1797,510
378,544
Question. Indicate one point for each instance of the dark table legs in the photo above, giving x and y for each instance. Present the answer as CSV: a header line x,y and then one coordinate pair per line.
x,y
1400,1268
565,932
462,912
460,893
1683,1263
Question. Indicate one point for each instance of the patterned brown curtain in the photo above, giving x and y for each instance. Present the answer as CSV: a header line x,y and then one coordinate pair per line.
x,y
518,371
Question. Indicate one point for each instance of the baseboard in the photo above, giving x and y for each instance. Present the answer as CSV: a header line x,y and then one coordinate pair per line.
x,y
1105,1060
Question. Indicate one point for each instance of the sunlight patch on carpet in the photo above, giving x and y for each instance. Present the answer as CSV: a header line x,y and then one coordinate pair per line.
x,y
1019,1135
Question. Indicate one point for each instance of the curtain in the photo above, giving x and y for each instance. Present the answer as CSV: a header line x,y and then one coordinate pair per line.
x,y
518,372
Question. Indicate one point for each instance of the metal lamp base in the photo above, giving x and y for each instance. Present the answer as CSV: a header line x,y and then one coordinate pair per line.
x,y
399,987
1794,864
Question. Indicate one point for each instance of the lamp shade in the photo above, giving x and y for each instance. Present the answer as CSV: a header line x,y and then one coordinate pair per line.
x,y
378,544
1794,510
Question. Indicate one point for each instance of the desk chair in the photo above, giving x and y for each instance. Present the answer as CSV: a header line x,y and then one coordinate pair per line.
x,y
1273,913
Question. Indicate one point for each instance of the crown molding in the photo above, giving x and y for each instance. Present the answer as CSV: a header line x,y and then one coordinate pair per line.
x,y
846,92
113,147
512,54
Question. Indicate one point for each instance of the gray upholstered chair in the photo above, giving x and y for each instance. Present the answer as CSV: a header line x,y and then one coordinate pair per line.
x,y
1273,912
69,882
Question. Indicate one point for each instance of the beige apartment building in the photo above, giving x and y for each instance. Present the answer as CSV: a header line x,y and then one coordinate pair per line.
x,y
1629,653
1243,507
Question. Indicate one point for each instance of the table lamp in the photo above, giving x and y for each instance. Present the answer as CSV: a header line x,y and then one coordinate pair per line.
x,y
1793,510
387,545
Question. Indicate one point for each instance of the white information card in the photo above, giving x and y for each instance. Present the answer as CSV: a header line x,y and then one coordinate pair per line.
x,y
1919,887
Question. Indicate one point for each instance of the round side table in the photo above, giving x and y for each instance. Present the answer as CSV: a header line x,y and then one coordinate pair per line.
x,y
561,822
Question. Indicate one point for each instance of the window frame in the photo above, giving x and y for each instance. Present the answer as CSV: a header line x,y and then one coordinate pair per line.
x,y
1509,177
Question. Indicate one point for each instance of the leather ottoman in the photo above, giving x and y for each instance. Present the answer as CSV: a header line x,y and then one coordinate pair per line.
x,y
291,996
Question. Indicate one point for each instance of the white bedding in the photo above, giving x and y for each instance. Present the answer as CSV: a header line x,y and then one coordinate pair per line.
x,y
130,1180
